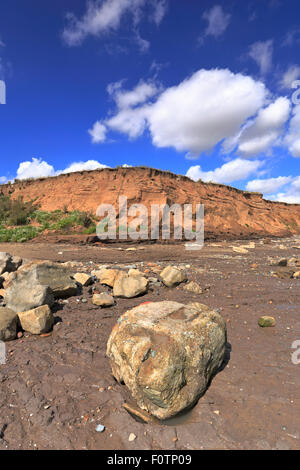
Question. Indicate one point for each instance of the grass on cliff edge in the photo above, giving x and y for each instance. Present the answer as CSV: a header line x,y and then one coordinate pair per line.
x,y
21,221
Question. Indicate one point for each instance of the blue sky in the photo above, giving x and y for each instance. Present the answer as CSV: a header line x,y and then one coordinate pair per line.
x,y
198,88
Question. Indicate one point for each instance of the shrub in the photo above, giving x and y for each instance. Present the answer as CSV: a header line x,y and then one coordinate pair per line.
x,y
16,211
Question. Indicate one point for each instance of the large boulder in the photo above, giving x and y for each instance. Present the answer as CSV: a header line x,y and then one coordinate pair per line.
x,y
130,286
172,276
26,294
37,321
36,276
8,324
166,353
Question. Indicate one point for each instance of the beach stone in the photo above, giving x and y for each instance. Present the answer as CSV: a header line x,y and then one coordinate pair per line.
x,y
172,276
130,286
37,321
166,353
103,300
83,279
266,321
8,324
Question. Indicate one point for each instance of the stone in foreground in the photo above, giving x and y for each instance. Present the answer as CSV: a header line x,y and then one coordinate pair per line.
x,y
37,321
38,283
172,276
8,324
103,300
108,277
130,286
166,353
83,279
266,321
193,287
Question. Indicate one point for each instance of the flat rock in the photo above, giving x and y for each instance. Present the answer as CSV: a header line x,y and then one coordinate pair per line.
x,y
103,300
130,286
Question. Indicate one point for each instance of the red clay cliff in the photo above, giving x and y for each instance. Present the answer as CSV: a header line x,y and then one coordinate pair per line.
x,y
229,212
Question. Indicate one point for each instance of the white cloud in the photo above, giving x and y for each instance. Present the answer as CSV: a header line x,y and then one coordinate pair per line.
x,y
100,17
98,132
291,195
209,108
129,121
83,166
292,74
104,16
268,185
263,132
37,168
204,109
3,180
129,98
261,53
218,21
234,170
292,138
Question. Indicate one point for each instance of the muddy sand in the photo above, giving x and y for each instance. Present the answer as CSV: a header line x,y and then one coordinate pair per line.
x,y
55,390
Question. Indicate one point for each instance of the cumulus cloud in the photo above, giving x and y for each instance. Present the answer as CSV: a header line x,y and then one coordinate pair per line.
x,y
291,74
218,21
83,166
204,109
268,185
209,108
131,115
131,122
264,131
234,170
261,53
104,16
38,168
193,116
291,194
292,138
129,98
98,132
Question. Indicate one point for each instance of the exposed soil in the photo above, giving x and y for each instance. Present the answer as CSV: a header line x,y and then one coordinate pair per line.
x,y
56,389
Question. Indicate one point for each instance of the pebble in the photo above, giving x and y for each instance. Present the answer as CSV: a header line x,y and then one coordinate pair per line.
x,y
132,437
100,428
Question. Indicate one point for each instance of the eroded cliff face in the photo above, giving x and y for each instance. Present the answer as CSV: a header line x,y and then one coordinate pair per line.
x,y
228,212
